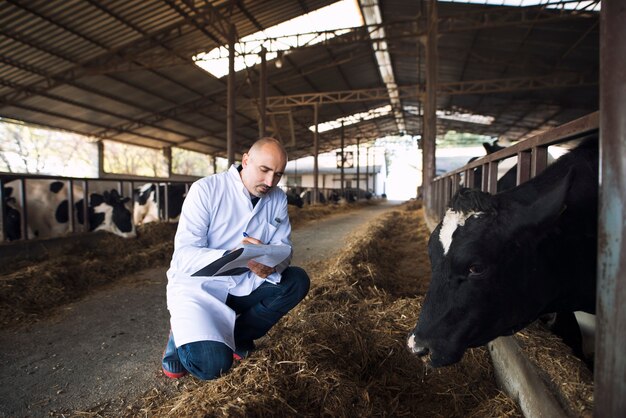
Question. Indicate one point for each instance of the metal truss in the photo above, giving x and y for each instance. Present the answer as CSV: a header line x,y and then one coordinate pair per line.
x,y
416,92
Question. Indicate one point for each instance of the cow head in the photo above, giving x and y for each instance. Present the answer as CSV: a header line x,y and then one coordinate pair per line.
x,y
108,212
482,256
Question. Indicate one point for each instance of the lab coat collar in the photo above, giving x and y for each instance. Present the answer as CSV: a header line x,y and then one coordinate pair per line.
x,y
235,175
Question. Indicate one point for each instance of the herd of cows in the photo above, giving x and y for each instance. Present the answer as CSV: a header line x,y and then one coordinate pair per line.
x,y
499,262
51,209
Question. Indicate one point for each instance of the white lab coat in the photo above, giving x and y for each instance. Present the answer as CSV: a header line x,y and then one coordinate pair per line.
x,y
216,212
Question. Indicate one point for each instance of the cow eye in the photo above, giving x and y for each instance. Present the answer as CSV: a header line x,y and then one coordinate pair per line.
x,y
476,270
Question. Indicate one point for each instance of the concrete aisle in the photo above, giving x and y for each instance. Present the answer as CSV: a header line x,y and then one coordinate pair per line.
x,y
105,349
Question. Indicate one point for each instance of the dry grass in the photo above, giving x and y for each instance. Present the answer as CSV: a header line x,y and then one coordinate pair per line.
x,y
567,376
30,290
341,352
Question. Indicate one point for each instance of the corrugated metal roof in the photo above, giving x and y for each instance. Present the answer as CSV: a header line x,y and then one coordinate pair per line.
x,y
122,70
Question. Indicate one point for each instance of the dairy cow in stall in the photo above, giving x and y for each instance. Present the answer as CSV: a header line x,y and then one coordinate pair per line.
x,y
499,262
150,207
48,210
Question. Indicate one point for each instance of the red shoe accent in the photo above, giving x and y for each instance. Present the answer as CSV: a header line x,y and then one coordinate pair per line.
x,y
174,375
237,357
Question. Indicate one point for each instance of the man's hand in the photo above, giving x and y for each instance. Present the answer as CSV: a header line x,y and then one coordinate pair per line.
x,y
259,269
250,240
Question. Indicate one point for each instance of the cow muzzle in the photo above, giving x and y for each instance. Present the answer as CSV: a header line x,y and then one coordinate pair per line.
x,y
416,347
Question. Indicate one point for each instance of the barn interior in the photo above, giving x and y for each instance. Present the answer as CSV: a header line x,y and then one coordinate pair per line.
x,y
131,72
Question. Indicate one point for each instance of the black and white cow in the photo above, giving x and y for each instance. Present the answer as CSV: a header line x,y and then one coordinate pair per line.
x,y
501,261
147,209
293,198
507,175
48,214
12,215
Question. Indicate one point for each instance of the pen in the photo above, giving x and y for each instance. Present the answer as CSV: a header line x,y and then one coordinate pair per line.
x,y
245,234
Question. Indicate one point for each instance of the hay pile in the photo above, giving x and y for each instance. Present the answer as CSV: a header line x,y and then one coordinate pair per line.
x,y
31,286
566,375
30,289
341,352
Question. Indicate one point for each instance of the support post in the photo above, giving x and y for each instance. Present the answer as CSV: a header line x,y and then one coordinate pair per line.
x,y
100,159
316,149
430,108
343,163
358,165
610,360
167,155
263,94
230,98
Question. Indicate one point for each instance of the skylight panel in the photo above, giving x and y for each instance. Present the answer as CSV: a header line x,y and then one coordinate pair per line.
x,y
566,4
352,119
302,30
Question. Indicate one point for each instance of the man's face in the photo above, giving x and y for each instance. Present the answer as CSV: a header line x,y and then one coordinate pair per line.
x,y
262,169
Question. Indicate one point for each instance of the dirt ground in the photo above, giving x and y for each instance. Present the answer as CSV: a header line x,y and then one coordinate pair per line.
x,y
83,346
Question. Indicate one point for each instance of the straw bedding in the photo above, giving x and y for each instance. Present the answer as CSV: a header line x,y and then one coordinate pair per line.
x,y
340,353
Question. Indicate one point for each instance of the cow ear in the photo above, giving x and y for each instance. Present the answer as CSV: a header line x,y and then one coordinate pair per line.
x,y
540,211
126,200
96,199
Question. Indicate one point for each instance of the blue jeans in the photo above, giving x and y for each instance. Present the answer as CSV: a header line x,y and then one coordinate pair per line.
x,y
257,313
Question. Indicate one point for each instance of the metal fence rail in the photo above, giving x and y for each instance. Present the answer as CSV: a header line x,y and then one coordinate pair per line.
x,y
532,158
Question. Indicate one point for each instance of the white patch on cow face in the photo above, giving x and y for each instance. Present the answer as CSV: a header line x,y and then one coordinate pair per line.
x,y
450,223
108,225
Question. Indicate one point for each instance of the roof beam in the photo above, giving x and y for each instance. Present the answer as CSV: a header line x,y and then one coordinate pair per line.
x,y
416,91
135,57
414,28
505,85
126,55
512,16
203,17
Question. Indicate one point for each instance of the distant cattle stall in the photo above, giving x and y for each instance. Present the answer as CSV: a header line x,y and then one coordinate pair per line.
x,y
48,202
501,261
151,200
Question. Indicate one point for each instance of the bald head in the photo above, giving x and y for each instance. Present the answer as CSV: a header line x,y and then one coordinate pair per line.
x,y
268,145
263,166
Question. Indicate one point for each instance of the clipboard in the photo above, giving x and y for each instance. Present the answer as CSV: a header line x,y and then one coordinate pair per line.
x,y
235,262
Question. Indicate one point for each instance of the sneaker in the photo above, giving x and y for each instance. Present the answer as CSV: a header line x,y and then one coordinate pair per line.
x,y
172,367
243,350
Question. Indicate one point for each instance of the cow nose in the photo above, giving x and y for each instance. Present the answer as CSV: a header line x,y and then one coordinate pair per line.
x,y
415,347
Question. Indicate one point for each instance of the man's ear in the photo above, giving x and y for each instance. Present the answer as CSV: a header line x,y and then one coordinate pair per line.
x,y
244,159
